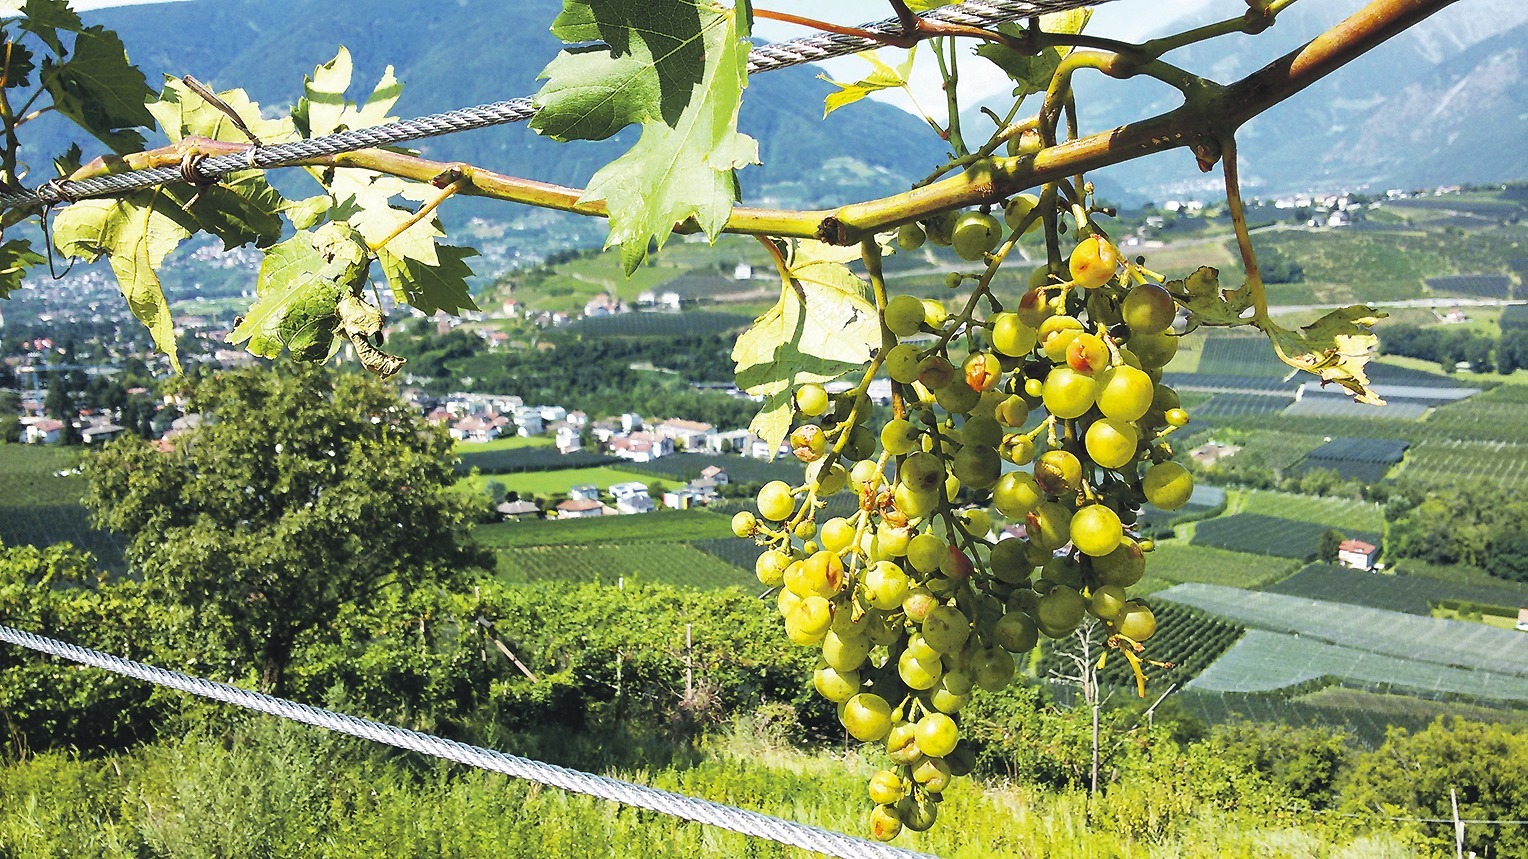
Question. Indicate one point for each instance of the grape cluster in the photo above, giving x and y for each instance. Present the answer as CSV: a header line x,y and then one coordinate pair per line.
x,y
923,594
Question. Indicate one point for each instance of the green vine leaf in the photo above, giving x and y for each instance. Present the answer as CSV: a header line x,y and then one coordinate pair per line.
x,y
243,208
16,257
44,18
821,329
421,272
98,88
881,77
301,283
1335,347
135,232
678,67
1032,73
1207,303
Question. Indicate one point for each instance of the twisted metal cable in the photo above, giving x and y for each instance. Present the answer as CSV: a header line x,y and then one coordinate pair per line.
x,y
764,58
635,795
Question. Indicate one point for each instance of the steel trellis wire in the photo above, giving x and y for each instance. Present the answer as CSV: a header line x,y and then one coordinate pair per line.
x,y
764,58
638,796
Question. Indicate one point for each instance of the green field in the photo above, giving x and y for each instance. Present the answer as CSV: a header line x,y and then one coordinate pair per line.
x,y
40,509
1339,513
546,483
675,526
677,564
513,442
1410,594
1268,535
1176,561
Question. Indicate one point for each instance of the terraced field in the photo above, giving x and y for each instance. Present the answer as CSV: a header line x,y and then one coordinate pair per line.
x,y
1341,513
1268,535
1409,594
677,564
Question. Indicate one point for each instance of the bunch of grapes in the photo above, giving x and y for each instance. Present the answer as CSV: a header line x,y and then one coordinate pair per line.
x,y
923,594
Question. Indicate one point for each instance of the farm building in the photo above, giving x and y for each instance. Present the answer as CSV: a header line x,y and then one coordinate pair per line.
x,y
1357,554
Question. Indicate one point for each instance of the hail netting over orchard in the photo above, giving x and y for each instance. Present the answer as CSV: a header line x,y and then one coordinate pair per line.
x,y
1029,421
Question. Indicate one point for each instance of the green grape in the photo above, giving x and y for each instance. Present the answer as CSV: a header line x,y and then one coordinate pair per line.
x,y
1012,411
770,568
1033,388
786,602
886,787
910,237
804,530
921,472
885,585
957,682
830,481
744,524
946,701
1107,602
902,363
808,622
904,315
918,813
919,647
939,228
837,534
918,674
1049,525
1034,306
890,541
1056,336
1136,622
1094,262
1154,350
993,668
1018,449
1018,208
1123,567
1063,570
1176,417
1008,562
1067,393
1164,399
937,735
957,399
1124,393
1096,530
811,400
925,552
1111,443
775,501
1148,309
844,654
956,565
936,372
953,279
912,503
934,313
1060,610
861,444
932,773
899,437
834,685
822,574
1011,336
976,521
867,717
946,629
1016,494
982,430
1058,472
1016,633
975,234
1167,485
885,823
863,474
977,466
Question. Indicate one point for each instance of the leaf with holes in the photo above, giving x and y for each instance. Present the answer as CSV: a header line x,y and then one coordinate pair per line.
x,y
301,283
678,67
135,232
1208,304
821,329
1335,347
431,288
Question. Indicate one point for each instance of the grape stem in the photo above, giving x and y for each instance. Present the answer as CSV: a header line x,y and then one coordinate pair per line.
x,y
1244,236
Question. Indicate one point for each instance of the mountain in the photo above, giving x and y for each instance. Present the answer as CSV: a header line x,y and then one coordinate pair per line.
x,y
457,53
1443,103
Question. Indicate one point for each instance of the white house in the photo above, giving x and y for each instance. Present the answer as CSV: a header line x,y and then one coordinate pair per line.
x,y
100,433
43,431
528,422
568,439
584,492
1357,554
716,474
735,441
553,414
631,498
686,435
580,508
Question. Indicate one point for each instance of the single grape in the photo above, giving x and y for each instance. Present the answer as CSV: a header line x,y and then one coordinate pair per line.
x,y
925,551
918,813
1011,411
982,430
899,437
946,701
937,735
1154,350
976,466
956,565
1011,336
1124,393
1123,567
1009,563
744,524
912,503
1016,633
885,823
1111,443
1136,622
836,686
775,501
993,668
975,235
1087,354
1060,610
918,674
902,363
1094,262
867,717
922,472
934,313
1058,472
946,629
890,541
933,773
1016,494
811,400
936,372
844,654
1018,208
1096,530
1034,305
982,371
1067,393
1049,525
910,237
1167,485
1107,602
830,481
885,585
1018,449
808,442
957,399
939,228
904,315
808,622
1176,417
770,567
837,534
1148,309
886,787
953,279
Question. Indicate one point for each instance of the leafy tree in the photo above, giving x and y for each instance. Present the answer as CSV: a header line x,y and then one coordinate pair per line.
x,y
303,491
1328,546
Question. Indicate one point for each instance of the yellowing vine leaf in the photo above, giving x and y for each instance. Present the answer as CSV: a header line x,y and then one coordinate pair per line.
x,y
678,67
1335,347
1032,73
881,77
1207,303
822,328
135,232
